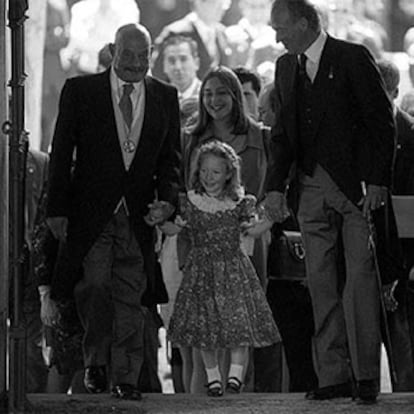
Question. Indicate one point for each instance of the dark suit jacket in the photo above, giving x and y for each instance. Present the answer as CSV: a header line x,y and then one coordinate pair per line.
x,y
36,175
186,27
88,196
352,119
404,159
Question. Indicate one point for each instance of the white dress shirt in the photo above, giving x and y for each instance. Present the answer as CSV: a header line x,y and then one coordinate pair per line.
x,y
124,133
313,54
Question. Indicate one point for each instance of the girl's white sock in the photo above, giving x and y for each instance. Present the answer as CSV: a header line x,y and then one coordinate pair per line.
x,y
236,370
213,374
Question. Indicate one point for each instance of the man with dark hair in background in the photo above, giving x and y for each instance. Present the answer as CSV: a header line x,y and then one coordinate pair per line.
x,y
204,27
251,86
180,64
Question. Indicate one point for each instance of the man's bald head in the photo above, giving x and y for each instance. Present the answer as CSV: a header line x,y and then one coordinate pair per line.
x,y
131,51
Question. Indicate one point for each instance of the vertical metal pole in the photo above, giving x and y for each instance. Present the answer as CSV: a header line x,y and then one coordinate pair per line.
x,y
17,158
4,211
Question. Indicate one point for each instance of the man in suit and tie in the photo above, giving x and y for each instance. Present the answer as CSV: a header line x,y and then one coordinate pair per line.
x,y
332,110
204,27
123,129
181,63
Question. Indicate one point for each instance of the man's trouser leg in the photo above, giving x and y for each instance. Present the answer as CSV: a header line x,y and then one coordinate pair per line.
x,y
348,324
108,300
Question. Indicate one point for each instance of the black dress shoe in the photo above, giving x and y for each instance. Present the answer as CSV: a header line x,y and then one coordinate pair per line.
x,y
95,379
367,392
126,392
332,391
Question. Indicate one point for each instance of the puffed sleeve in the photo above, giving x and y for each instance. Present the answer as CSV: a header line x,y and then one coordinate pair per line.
x,y
247,207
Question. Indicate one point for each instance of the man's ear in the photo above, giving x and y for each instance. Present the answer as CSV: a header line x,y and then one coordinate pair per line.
x,y
112,49
303,24
396,92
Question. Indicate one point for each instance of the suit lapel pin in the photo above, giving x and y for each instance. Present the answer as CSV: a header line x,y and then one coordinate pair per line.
x,y
330,75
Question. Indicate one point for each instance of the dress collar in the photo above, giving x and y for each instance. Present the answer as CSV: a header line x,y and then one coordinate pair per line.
x,y
209,204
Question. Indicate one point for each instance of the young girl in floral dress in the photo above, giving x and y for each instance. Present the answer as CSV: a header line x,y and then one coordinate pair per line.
x,y
220,303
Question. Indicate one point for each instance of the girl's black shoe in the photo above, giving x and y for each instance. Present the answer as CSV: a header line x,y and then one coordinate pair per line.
x,y
233,385
215,388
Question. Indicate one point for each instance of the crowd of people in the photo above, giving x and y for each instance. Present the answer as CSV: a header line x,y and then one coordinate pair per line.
x,y
232,183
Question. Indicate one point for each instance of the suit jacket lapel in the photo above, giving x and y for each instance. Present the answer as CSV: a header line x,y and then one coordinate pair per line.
x,y
322,87
288,96
103,100
105,112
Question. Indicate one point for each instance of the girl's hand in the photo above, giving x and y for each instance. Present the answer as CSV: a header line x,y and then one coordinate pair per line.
x,y
256,228
170,229
180,222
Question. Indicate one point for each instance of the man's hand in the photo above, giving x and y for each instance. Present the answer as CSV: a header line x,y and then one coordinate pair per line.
x,y
58,226
275,206
390,302
375,197
159,211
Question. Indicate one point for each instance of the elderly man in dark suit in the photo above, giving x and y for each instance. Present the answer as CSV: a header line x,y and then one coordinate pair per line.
x,y
122,127
331,108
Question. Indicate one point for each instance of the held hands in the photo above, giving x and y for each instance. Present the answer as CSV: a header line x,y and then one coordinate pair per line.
x,y
58,226
159,211
170,229
374,197
256,227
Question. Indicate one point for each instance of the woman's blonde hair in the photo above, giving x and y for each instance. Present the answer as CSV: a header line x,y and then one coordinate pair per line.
x,y
233,188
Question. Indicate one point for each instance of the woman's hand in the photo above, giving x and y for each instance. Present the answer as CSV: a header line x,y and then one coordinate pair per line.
x,y
49,313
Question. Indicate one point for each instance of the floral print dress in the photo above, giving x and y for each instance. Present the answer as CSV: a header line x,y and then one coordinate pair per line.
x,y
220,303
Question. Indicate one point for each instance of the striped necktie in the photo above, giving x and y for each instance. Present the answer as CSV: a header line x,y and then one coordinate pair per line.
x,y
125,104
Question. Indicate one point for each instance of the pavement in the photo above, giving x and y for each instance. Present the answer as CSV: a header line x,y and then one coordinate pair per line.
x,y
245,403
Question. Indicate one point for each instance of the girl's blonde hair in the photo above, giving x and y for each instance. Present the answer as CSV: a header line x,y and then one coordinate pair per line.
x,y
233,188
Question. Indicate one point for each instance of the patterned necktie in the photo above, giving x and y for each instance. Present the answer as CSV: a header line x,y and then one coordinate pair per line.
x,y
302,65
303,72
125,104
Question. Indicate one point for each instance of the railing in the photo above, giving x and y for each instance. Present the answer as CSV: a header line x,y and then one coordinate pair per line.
x,y
18,146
